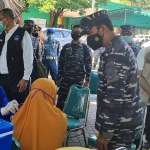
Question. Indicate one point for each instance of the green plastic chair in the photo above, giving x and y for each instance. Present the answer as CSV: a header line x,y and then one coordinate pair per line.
x,y
76,108
15,145
93,83
139,136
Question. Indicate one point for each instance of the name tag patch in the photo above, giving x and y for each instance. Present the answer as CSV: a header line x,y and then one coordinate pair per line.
x,y
16,38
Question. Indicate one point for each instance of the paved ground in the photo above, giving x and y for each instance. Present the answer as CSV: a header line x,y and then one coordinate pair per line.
x,y
89,129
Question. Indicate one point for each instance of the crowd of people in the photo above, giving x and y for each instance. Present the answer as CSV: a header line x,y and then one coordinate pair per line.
x,y
38,118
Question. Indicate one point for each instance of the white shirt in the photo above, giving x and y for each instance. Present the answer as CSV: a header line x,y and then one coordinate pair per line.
x,y
27,54
140,59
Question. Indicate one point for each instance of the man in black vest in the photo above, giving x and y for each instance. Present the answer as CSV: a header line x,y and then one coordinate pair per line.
x,y
16,57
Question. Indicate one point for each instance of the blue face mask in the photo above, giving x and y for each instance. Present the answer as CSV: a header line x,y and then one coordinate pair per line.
x,y
127,39
50,37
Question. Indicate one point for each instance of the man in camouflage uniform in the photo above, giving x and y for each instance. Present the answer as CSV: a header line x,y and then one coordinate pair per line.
x,y
119,113
29,26
128,33
36,33
74,66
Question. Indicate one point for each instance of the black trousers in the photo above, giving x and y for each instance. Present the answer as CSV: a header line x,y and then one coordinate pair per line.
x,y
147,124
11,89
63,92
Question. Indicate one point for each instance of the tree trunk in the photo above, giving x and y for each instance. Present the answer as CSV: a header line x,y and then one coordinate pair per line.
x,y
54,24
1,4
56,14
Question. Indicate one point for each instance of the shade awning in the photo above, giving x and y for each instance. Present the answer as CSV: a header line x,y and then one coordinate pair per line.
x,y
130,17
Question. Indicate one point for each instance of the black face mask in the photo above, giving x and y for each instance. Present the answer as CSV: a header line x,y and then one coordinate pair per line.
x,y
35,35
29,30
75,37
95,41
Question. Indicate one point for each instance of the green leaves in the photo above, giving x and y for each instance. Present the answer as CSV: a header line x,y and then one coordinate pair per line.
x,y
73,5
58,6
144,4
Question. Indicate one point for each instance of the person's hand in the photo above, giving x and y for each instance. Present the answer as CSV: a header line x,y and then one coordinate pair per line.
x,y
22,85
101,143
86,84
58,83
10,107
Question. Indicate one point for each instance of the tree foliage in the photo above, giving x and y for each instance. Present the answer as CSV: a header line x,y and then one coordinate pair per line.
x,y
143,4
58,6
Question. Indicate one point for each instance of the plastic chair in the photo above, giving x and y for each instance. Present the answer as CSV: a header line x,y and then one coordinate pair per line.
x,y
76,108
93,83
139,136
15,145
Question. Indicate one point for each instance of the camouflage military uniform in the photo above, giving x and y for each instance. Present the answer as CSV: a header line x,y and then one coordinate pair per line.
x,y
74,66
135,49
119,114
35,43
97,54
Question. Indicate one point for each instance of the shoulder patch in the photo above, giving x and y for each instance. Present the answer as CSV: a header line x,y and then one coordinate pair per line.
x,y
111,72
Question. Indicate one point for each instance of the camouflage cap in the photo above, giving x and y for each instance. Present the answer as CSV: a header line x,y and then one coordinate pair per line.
x,y
29,22
87,22
127,28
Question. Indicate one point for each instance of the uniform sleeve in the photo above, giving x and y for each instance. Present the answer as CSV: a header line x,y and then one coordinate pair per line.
x,y
27,55
96,56
140,59
88,62
116,69
61,63
3,102
58,49
37,51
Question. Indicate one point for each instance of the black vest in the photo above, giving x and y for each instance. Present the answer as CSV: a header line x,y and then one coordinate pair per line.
x,y
14,54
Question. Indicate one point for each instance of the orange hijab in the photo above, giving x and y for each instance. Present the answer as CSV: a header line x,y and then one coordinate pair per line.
x,y
39,125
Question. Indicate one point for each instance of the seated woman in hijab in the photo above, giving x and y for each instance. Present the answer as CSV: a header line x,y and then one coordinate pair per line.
x,y
7,109
39,125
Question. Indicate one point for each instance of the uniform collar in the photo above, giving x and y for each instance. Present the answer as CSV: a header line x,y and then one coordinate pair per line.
x,y
79,44
113,41
12,30
50,41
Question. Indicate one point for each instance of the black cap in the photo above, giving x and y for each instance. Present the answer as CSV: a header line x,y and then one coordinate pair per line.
x,y
127,28
87,22
37,28
29,22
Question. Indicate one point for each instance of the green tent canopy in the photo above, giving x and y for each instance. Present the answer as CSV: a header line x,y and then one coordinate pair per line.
x,y
130,17
121,14
114,6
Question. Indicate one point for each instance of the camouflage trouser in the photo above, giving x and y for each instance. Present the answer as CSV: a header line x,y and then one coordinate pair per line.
x,y
63,92
124,141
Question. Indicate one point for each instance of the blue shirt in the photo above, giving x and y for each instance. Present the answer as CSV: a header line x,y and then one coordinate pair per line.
x,y
50,47
3,102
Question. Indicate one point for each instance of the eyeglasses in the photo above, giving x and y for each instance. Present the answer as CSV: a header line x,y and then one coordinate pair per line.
x,y
2,18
